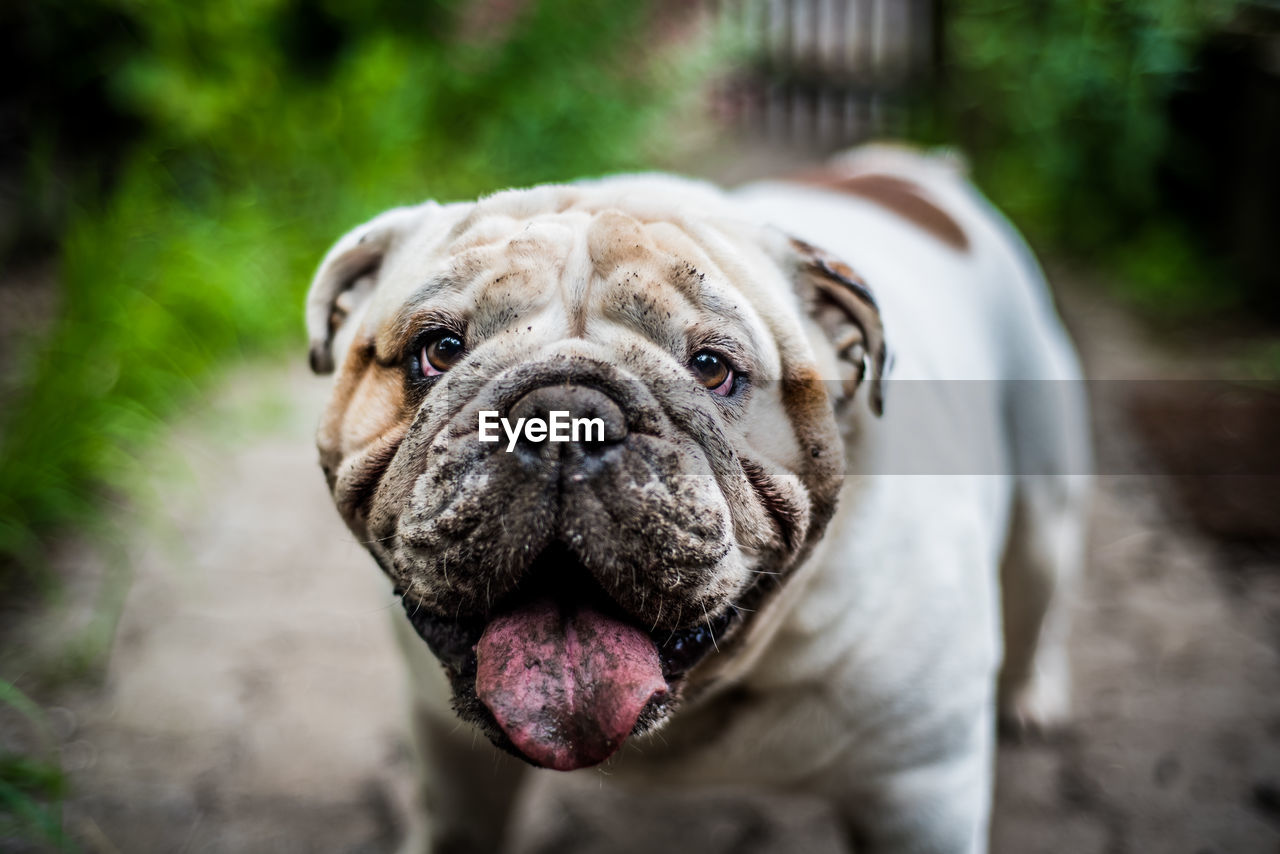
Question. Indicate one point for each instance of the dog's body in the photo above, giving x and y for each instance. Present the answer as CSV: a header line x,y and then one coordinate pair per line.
x,y
860,639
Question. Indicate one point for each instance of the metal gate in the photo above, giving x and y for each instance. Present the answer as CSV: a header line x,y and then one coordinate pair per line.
x,y
826,73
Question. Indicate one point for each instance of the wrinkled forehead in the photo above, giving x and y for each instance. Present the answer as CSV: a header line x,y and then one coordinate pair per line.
x,y
572,269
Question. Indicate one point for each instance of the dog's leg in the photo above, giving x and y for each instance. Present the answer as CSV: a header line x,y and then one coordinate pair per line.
x,y
1042,560
466,786
941,806
466,789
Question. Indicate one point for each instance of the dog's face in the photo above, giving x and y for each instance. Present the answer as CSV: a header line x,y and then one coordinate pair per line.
x,y
571,588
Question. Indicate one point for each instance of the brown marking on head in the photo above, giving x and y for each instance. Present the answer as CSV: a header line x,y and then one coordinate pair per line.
x,y
615,241
808,407
329,436
898,195
362,426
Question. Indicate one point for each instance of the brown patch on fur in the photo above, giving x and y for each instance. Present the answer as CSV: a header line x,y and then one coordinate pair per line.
x,y
329,436
615,239
368,401
808,406
898,195
377,405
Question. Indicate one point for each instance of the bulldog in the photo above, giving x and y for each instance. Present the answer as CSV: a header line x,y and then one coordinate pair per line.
x,y
755,563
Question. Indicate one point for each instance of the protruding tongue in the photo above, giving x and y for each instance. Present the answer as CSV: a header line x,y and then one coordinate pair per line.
x,y
566,688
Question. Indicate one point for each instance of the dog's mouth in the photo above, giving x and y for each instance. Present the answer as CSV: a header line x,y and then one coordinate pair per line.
x,y
564,673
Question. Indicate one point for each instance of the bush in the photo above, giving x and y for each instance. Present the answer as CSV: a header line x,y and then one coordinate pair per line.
x,y
1065,107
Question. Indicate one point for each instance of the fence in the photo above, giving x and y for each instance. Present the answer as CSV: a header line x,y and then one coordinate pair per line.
x,y
827,73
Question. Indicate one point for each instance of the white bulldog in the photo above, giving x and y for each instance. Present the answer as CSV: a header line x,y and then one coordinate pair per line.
x,y
603,439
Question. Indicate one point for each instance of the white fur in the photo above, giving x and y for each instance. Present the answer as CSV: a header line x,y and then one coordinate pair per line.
x,y
872,679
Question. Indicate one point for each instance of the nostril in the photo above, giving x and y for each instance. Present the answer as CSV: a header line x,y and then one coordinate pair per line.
x,y
582,416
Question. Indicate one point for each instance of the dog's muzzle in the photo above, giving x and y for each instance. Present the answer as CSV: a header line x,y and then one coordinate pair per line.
x,y
566,582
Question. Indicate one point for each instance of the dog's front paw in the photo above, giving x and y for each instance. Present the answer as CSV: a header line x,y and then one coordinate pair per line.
x,y
1038,707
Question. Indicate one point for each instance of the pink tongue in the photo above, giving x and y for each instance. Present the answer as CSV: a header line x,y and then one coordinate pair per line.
x,y
566,689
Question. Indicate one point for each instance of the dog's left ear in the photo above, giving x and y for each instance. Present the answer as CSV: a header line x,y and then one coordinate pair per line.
x,y
348,275
842,305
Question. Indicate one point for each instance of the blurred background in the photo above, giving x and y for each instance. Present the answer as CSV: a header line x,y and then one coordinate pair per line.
x,y
191,654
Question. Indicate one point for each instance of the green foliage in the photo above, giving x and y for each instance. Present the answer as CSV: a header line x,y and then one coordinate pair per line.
x,y
31,793
268,127
1064,104
31,789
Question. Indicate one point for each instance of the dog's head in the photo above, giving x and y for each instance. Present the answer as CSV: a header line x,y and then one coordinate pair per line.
x,y
586,431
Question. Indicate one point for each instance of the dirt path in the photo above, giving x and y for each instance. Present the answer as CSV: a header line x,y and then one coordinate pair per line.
x,y
252,700
1176,744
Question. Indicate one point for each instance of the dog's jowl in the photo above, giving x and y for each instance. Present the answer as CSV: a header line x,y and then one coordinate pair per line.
x,y
632,455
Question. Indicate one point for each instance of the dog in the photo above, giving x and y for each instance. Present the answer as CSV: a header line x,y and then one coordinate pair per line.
x,y
816,531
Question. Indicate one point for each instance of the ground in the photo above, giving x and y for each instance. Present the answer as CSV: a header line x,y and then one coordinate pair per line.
x,y
252,699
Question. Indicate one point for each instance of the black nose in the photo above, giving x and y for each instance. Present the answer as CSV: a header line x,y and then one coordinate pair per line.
x,y
576,418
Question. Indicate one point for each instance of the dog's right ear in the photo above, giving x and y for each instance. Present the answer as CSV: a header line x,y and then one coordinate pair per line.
x,y
348,275
844,308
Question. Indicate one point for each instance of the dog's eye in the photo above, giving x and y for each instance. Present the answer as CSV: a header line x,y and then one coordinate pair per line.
x,y
713,371
441,353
